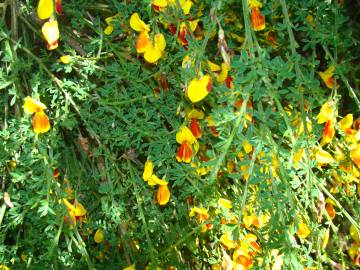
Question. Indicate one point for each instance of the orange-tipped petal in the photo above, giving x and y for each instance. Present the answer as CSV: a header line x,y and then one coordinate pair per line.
x,y
41,122
184,153
51,34
143,42
257,19
163,195
329,132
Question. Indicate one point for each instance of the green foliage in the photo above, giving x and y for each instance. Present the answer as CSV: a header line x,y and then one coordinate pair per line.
x,y
110,112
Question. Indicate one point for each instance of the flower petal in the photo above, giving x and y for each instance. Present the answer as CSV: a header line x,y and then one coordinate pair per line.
x,y
137,24
45,9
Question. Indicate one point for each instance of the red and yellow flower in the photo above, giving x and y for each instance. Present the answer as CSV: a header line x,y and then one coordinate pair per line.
x,y
328,77
51,34
257,19
41,122
76,211
188,145
152,48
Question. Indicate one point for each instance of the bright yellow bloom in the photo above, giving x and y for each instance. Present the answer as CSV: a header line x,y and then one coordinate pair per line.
x,y
354,234
76,212
45,9
130,267
198,210
225,203
254,4
65,59
51,34
213,67
328,112
346,122
188,145
303,230
33,106
150,177
323,157
185,5
196,114
163,195
99,236
198,89
41,122
110,26
247,146
228,241
328,77
155,50
137,24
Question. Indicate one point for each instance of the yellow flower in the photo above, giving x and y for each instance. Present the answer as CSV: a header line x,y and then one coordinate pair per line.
x,y
228,241
346,122
32,106
323,157
130,267
110,26
163,195
188,145
185,5
254,4
328,77
99,236
150,177
303,230
327,112
41,122
155,50
354,234
51,34
198,210
76,212
247,146
355,155
137,24
196,114
198,89
225,203
65,59
45,9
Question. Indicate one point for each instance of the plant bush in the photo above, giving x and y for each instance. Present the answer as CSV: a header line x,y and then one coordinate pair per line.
x,y
179,134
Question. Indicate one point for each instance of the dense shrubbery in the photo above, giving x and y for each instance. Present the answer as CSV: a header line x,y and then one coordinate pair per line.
x,y
179,134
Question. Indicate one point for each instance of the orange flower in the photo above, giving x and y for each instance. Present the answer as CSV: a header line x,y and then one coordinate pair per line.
x,y
188,145
257,19
163,195
41,122
329,132
329,207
